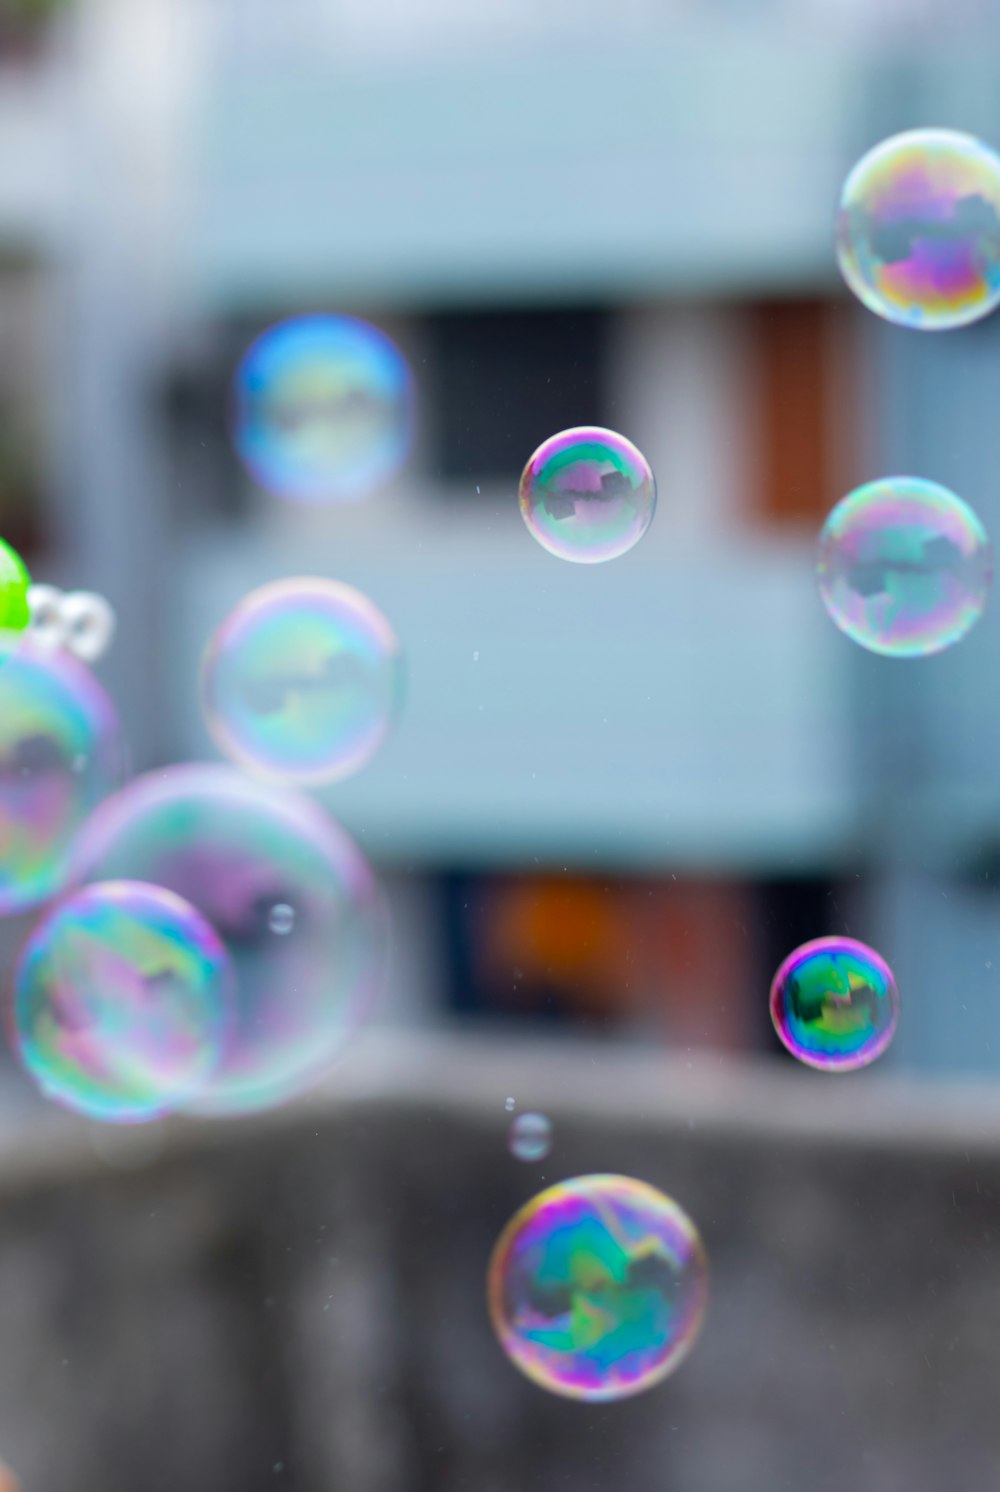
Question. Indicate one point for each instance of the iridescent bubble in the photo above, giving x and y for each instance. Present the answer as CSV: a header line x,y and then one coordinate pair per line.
x,y
8,1481
15,582
508,1104
597,1287
236,849
834,1004
918,229
904,567
587,495
302,680
323,409
60,754
530,1137
123,1002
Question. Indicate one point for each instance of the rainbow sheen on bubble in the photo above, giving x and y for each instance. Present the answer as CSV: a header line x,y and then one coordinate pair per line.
x,y
834,1004
15,582
904,567
123,1002
918,229
587,495
60,754
323,409
236,850
597,1288
302,681
530,1137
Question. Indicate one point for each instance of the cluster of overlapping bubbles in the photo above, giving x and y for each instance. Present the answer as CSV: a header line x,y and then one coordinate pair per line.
x,y
207,938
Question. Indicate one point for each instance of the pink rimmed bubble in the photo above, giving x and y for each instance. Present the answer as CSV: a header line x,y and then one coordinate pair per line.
x,y
597,1287
588,495
834,1004
918,229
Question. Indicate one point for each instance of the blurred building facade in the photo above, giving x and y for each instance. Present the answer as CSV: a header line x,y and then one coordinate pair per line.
x,y
560,218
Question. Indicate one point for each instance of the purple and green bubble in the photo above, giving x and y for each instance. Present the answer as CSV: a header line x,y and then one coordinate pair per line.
x,y
834,1004
598,1287
123,1002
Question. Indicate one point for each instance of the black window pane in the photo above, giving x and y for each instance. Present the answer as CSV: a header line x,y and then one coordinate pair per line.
x,y
505,380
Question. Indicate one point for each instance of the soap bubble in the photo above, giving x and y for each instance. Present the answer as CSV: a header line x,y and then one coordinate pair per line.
x,y
323,409
236,849
834,1004
301,681
122,1002
530,1137
90,624
904,567
15,583
918,229
60,754
587,495
282,919
48,625
8,1481
598,1287
508,1104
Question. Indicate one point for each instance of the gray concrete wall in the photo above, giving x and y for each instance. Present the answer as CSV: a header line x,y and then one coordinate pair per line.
x,y
298,1302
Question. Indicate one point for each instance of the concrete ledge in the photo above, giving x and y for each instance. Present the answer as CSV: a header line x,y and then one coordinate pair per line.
x,y
305,1291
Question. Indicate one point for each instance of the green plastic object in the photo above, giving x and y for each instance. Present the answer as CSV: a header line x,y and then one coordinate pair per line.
x,y
15,614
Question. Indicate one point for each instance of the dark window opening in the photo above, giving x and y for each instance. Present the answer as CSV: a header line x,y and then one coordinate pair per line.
x,y
505,380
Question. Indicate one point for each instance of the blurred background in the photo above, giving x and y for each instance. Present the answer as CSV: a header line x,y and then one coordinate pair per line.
x,y
617,796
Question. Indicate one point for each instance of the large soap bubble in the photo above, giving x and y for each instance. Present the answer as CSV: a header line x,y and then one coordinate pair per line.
x,y
123,1002
60,754
597,1287
918,230
904,567
289,893
301,681
322,409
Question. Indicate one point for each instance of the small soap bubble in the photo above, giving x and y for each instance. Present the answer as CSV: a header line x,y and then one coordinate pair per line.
x,y
918,229
509,1105
48,625
281,919
587,495
597,1288
904,567
834,1004
89,623
530,1137
8,1481
323,409
123,1002
60,754
302,681
236,849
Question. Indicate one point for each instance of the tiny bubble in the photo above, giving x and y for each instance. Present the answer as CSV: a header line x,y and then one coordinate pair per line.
x,y
509,1105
